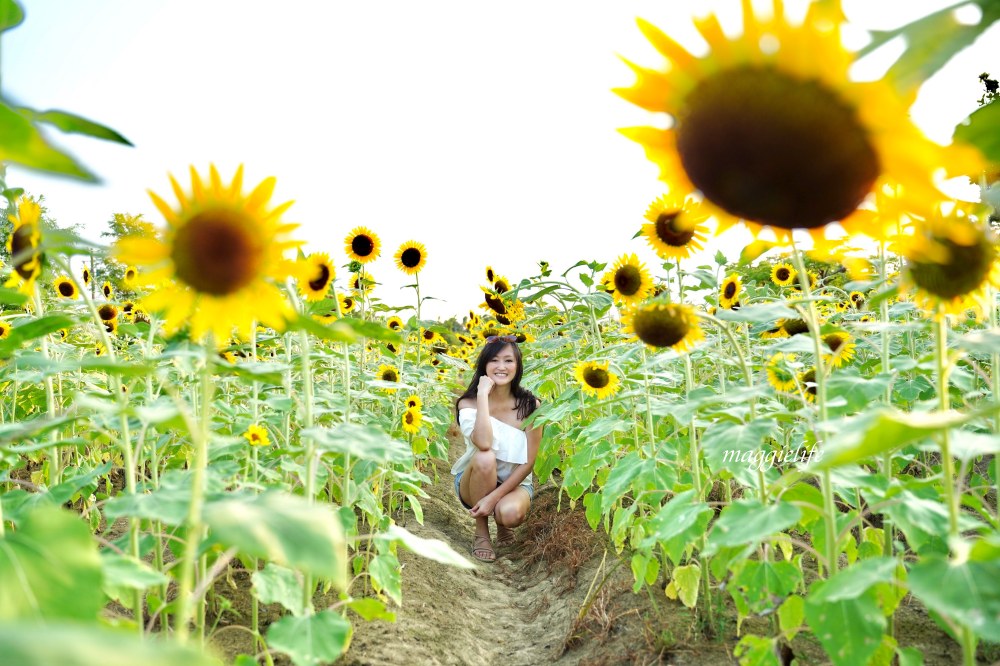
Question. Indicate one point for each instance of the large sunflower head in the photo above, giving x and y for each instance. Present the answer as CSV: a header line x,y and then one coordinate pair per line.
x,y
779,373
219,260
729,292
628,281
413,401
501,285
394,323
107,312
411,420
23,242
65,288
595,379
807,383
792,327
347,304
130,276
362,245
950,263
411,257
663,325
676,227
316,274
782,274
769,130
841,348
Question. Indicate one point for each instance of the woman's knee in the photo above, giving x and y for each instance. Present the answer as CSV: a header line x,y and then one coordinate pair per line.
x,y
483,462
510,515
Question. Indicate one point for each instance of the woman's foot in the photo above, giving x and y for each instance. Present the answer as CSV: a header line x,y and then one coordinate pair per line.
x,y
505,536
482,549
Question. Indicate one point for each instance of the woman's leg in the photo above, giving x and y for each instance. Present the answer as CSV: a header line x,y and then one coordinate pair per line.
x,y
479,480
512,509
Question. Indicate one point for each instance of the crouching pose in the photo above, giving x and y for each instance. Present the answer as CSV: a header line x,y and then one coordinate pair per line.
x,y
493,476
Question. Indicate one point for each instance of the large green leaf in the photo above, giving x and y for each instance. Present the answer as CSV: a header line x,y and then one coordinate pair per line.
x,y
22,143
620,479
760,313
277,584
856,580
967,592
982,130
748,521
677,524
384,572
284,529
880,431
850,630
11,14
432,549
49,568
123,573
361,442
74,124
311,640
91,645
32,330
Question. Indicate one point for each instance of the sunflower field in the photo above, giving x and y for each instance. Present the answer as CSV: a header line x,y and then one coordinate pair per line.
x,y
801,438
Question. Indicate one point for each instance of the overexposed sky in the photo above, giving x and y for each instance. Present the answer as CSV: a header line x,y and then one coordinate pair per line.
x,y
486,131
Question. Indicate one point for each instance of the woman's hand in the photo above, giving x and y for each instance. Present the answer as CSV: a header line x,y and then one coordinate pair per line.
x,y
485,385
484,507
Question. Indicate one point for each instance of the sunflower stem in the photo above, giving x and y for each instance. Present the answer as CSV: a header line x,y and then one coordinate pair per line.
x,y
55,455
649,404
888,536
254,472
826,483
944,404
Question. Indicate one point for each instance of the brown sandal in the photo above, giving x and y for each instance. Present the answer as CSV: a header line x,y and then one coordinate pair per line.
x,y
505,536
482,549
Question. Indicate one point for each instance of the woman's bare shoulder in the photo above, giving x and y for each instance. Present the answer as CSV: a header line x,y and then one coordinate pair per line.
x,y
467,403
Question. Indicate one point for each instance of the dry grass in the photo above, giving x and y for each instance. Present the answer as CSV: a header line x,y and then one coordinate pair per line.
x,y
562,540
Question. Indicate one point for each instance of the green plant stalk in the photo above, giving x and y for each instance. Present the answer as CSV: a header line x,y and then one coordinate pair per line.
x,y
696,477
995,377
826,483
312,458
55,455
887,527
199,440
649,405
255,414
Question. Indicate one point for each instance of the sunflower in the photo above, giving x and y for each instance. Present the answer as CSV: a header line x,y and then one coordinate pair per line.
x,y
316,273
773,332
23,242
630,280
411,420
792,327
111,326
257,435
411,257
219,260
769,130
130,276
107,312
128,308
429,337
65,288
100,349
86,275
782,274
347,303
807,382
779,375
391,348
595,379
362,283
362,245
660,325
676,227
857,300
387,373
394,323
107,290
729,293
4,329
950,264
841,348
413,402
490,274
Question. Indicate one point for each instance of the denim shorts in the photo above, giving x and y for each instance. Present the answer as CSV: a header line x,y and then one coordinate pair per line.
x,y
458,479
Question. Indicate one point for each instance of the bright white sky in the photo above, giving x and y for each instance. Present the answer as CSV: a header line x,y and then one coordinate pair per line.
x,y
486,131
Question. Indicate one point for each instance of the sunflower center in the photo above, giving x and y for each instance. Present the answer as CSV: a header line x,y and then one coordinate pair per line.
x,y
362,245
66,289
23,240
795,326
776,150
107,312
730,290
808,380
389,376
834,342
496,304
628,280
596,377
322,279
217,253
968,266
668,230
410,257
783,274
660,327
408,417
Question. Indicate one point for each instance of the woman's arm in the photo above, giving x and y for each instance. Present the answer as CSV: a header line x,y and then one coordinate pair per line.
x,y
482,431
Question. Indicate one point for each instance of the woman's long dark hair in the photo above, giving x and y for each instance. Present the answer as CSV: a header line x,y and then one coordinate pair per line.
x,y
524,400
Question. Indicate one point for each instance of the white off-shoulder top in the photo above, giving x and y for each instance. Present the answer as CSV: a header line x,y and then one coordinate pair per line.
x,y
510,445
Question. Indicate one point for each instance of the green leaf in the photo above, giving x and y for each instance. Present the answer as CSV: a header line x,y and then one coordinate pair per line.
x,y
384,572
49,569
620,479
22,143
982,341
91,645
312,640
791,615
760,313
432,549
857,579
982,130
753,250
276,584
748,521
372,330
360,442
123,573
968,593
677,524
11,15
285,529
880,431
370,609
759,581
74,124
910,656
31,330
850,630
687,581
12,296
168,505
337,331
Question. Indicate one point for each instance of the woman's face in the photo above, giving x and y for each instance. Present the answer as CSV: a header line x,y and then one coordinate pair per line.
x,y
502,367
